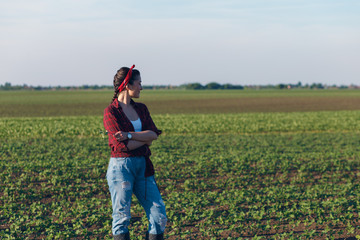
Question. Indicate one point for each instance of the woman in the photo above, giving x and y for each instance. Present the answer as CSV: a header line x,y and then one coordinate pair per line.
x,y
131,131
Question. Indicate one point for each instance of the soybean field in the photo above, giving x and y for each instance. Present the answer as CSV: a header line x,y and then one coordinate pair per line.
x,y
229,164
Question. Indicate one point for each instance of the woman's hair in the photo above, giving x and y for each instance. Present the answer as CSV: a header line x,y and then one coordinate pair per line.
x,y
119,78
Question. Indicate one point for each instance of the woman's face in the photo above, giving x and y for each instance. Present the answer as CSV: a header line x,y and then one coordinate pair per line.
x,y
135,88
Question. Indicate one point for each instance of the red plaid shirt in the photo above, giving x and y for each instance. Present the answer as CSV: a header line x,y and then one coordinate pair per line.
x,y
115,120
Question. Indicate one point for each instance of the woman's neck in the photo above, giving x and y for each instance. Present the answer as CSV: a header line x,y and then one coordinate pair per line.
x,y
124,98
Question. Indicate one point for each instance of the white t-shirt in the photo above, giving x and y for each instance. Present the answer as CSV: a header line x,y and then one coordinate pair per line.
x,y
137,125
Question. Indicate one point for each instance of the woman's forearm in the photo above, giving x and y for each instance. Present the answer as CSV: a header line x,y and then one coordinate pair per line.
x,y
144,136
134,144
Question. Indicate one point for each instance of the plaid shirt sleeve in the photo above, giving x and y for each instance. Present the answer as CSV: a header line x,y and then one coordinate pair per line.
x,y
149,123
112,126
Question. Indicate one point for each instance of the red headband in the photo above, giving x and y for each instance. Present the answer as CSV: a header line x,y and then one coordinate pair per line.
x,y
126,80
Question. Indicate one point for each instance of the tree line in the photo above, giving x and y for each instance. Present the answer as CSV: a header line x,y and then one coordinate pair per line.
x,y
188,86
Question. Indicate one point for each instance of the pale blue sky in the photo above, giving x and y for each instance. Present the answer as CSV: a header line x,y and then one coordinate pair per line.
x,y
76,42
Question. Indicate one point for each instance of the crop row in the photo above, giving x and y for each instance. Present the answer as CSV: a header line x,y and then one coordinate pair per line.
x,y
194,124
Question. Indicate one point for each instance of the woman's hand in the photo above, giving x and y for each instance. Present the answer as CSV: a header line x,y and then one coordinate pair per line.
x,y
121,136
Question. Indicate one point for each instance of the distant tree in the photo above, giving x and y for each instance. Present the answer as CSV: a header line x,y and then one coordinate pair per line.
x,y
7,86
316,86
230,86
320,86
194,86
213,85
281,86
